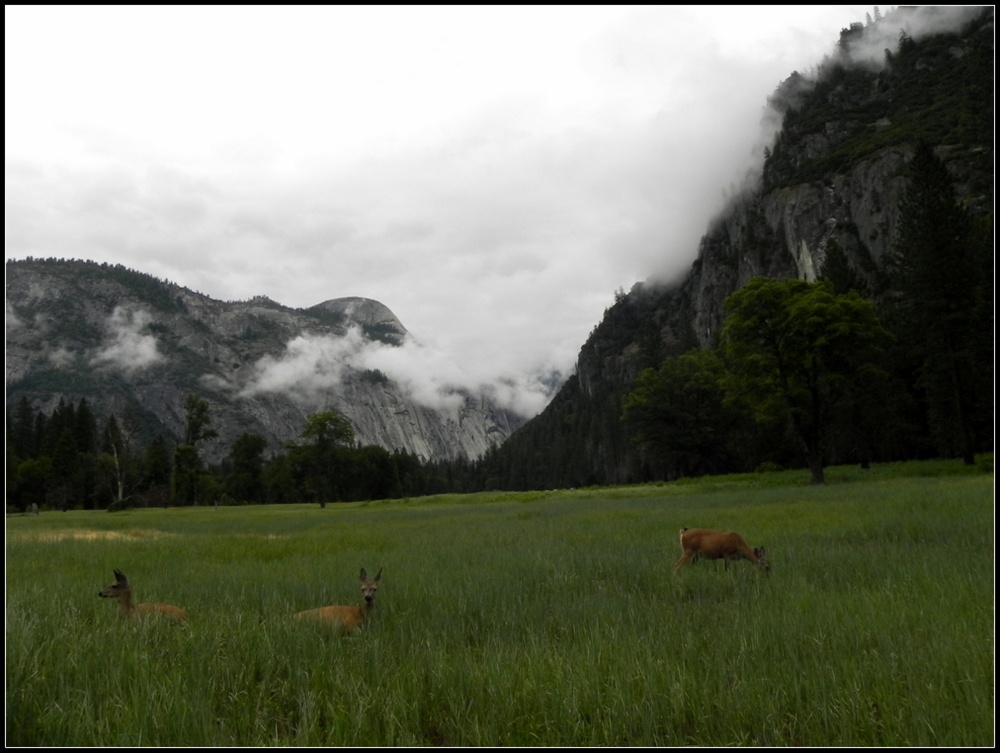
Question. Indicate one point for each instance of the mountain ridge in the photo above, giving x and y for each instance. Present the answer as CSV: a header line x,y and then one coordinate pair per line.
x,y
130,343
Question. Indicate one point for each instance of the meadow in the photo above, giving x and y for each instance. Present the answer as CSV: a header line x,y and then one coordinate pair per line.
x,y
538,618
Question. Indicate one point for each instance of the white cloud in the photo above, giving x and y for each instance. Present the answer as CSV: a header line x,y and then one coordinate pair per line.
x,y
11,321
918,23
311,370
128,349
61,357
491,174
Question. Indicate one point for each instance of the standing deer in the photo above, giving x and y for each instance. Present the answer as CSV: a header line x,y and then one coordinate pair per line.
x,y
349,619
122,591
713,545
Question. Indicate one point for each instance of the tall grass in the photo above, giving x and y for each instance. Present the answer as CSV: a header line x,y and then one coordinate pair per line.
x,y
520,619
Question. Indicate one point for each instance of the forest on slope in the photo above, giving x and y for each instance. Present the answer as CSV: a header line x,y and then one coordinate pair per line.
x,y
840,199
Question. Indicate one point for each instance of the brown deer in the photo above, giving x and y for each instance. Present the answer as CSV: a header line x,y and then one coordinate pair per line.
x,y
349,619
725,545
122,591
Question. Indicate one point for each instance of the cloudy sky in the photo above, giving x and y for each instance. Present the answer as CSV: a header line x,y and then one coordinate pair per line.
x,y
491,174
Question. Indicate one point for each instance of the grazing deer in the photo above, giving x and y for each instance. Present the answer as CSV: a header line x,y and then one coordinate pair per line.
x,y
122,591
713,545
347,618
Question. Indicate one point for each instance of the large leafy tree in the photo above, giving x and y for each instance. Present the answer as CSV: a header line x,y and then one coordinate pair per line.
x,y
188,475
328,429
319,458
679,415
944,313
799,353
197,421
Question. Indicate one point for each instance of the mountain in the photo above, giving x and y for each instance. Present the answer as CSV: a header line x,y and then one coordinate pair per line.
x,y
135,346
831,182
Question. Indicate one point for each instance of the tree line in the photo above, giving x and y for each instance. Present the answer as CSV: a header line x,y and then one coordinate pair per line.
x,y
70,459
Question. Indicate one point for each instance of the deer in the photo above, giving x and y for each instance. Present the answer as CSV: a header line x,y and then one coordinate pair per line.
x,y
725,545
122,590
347,618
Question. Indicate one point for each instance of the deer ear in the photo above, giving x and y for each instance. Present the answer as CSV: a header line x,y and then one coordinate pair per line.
x,y
364,575
120,576
379,574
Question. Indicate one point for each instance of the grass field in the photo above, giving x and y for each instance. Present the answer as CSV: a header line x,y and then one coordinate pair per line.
x,y
545,618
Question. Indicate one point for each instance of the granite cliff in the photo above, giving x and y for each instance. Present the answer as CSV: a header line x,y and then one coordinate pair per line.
x,y
134,345
833,177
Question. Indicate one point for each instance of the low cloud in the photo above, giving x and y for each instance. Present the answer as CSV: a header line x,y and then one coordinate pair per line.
x,y
128,348
11,322
430,376
312,369
61,358
308,370
917,23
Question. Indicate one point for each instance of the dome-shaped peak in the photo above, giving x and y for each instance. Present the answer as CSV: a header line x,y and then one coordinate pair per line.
x,y
376,319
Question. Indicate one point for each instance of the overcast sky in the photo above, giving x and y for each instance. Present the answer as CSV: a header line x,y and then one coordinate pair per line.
x,y
492,175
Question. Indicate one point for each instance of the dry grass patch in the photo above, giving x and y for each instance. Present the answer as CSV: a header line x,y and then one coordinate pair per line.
x,y
77,534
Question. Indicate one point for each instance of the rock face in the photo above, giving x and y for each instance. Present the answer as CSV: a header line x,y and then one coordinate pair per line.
x,y
135,347
781,234
786,234
371,316
833,178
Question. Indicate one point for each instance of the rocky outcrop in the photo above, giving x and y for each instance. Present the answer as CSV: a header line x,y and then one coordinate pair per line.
x,y
373,317
786,233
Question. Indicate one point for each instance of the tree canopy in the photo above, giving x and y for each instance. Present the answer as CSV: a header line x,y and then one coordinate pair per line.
x,y
797,353
680,415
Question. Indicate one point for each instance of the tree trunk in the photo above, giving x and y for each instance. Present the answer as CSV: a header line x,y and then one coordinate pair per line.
x,y
816,470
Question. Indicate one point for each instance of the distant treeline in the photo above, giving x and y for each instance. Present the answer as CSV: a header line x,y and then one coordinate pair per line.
x,y
159,294
72,459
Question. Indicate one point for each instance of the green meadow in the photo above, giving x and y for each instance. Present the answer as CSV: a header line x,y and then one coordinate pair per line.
x,y
542,618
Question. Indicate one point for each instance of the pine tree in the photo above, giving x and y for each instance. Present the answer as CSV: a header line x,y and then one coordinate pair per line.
x,y
85,428
839,272
942,313
22,433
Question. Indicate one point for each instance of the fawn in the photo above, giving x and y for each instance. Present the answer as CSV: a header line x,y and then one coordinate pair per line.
x,y
122,591
349,619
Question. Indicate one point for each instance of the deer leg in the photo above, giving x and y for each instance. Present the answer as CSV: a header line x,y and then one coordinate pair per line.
x,y
685,558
